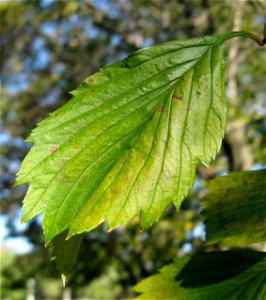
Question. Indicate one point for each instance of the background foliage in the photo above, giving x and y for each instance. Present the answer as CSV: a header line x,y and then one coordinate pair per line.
x,y
47,49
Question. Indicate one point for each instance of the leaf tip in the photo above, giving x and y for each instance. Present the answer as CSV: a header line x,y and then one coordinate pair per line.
x,y
16,183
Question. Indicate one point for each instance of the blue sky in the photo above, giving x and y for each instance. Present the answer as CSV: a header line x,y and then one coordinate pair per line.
x,y
18,245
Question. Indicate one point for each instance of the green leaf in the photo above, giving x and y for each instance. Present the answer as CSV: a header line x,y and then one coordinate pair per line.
x,y
128,142
230,275
235,208
65,252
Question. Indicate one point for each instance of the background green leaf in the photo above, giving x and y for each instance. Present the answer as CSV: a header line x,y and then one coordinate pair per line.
x,y
65,252
219,275
235,208
129,141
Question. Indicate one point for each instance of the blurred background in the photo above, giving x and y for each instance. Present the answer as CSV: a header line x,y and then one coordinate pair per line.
x,y
47,48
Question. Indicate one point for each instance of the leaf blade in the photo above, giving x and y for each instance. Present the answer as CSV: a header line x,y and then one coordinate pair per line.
x,y
151,123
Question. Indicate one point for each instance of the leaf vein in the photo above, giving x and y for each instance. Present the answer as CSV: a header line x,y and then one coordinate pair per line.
x,y
164,153
142,167
184,133
210,104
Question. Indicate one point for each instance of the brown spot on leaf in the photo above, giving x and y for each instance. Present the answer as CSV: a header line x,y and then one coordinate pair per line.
x,y
93,90
160,109
53,149
90,80
175,97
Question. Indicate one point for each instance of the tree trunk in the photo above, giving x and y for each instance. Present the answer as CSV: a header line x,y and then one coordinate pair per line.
x,y
235,145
